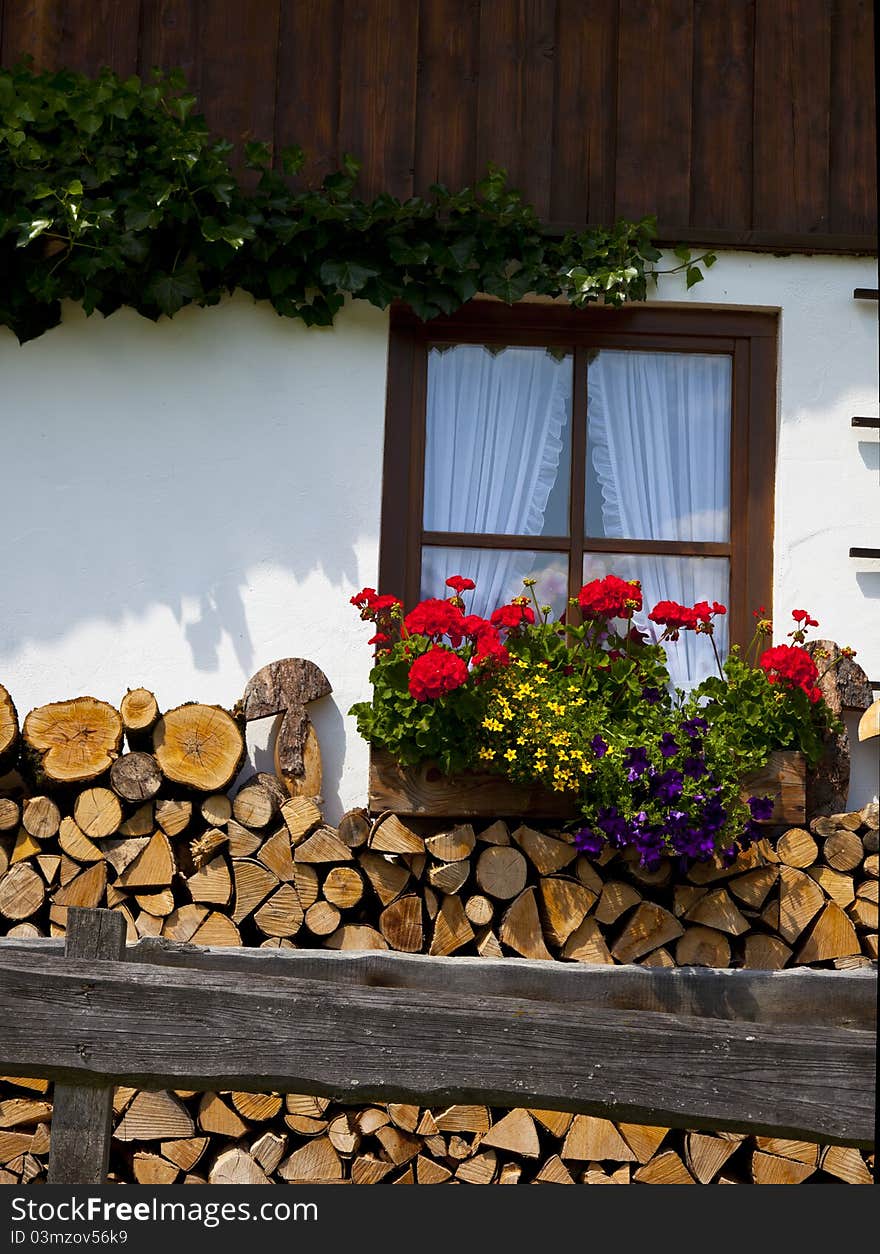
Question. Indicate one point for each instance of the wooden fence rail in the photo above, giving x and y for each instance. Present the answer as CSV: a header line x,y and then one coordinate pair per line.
x,y
779,1053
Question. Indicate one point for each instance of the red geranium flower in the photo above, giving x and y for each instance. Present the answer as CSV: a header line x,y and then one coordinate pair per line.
x,y
379,638
801,616
673,616
385,602
489,648
435,618
364,599
509,617
460,584
610,597
792,665
436,672
473,624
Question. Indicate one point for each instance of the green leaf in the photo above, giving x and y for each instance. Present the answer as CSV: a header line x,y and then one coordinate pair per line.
x,y
172,291
694,275
30,230
348,276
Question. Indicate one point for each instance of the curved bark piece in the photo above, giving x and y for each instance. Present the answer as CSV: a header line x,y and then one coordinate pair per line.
x,y
286,687
200,746
8,731
74,741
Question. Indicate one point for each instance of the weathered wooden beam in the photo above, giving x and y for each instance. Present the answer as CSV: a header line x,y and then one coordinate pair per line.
x,y
79,1145
170,1028
846,999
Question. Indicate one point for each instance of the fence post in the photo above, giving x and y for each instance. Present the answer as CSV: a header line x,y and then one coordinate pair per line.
x,y
79,1144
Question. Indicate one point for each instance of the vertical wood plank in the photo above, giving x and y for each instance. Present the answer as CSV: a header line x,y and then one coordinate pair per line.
x,y
724,47
586,107
79,1145
307,104
516,93
654,110
32,28
100,33
446,102
378,92
238,49
792,112
169,39
853,165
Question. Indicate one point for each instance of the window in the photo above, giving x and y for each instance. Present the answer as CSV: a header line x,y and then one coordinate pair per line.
x,y
563,444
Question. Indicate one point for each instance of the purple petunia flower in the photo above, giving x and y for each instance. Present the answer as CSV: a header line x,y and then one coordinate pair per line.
x,y
694,768
668,746
651,695
636,760
693,726
588,841
761,807
599,747
667,786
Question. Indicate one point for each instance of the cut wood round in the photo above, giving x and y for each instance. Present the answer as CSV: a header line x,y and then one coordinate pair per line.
x,y
717,910
501,872
649,927
354,828
73,741
153,867
797,848
258,1107
843,850
139,710
212,883
41,818
702,947
254,806
564,906
8,731
217,929
765,953
322,918
236,1166
76,844
27,931
136,777
282,914
153,1116
449,877
343,887
97,812
153,1169
479,910
454,845
173,816
10,814
22,892
216,809
356,936
199,746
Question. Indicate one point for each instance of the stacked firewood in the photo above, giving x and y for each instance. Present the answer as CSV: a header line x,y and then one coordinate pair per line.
x,y
154,833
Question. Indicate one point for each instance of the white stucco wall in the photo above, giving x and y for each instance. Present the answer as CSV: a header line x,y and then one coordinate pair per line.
x,y
186,501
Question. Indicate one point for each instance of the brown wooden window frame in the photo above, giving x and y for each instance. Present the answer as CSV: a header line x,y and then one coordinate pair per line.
x,y
748,337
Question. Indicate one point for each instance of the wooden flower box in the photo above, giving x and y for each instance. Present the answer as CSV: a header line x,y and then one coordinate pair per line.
x,y
424,791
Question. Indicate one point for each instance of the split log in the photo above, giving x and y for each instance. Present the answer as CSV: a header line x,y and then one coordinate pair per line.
x,y
317,1160
368,1170
774,1169
253,884
554,1171
97,812
356,936
564,905
451,928
658,958
501,872
183,922
545,853
387,879
390,835
323,846
496,833
199,746
591,1138
139,710
10,814
276,853
9,734
463,1119
666,1168
800,900
643,1139
702,947
119,853
153,1169
717,910
354,828
154,1116
587,944
22,892
173,816
832,936
650,927
268,1150
242,843
706,1155
521,930
615,899
87,890
216,810
343,1134
430,1172
41,818
449,877
153,867
236,1166
765,953
206,847
301,816
76,844
516,1133
401,925
140,823
753,887
452,846
212,883
136,777
257,1107
215,1116
282,914
73,741
846,1164
305,881
480,1169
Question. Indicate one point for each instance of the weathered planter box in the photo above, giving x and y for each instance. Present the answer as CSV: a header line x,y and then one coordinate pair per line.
x,y
423,790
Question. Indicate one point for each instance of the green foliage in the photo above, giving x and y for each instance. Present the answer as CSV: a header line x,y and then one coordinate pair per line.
x,y
114,193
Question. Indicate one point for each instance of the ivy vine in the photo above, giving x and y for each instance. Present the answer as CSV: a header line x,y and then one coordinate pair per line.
x,y
113,192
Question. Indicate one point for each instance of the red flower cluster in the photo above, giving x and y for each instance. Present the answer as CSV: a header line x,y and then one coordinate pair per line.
x,y
436,672
371,604
435,618
489,648
510,617
676,618
459,584
610,598
790,664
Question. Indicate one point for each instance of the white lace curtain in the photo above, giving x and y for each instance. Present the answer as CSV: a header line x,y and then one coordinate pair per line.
x,y
493,447
659,444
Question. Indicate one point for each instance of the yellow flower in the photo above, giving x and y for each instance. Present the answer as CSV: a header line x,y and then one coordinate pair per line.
x,y
492,724
487,753
510,754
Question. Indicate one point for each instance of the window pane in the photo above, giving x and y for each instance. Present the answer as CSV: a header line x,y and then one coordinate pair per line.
x,y
683,579
658,446
497,456
498,574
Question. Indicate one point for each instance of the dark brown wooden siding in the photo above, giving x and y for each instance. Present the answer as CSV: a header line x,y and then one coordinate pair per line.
x,y
738,122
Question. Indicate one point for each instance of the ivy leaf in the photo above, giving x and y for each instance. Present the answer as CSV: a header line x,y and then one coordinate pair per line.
x,y
292,159
694,275
172,291
509,288
682,252
30,231
348,276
